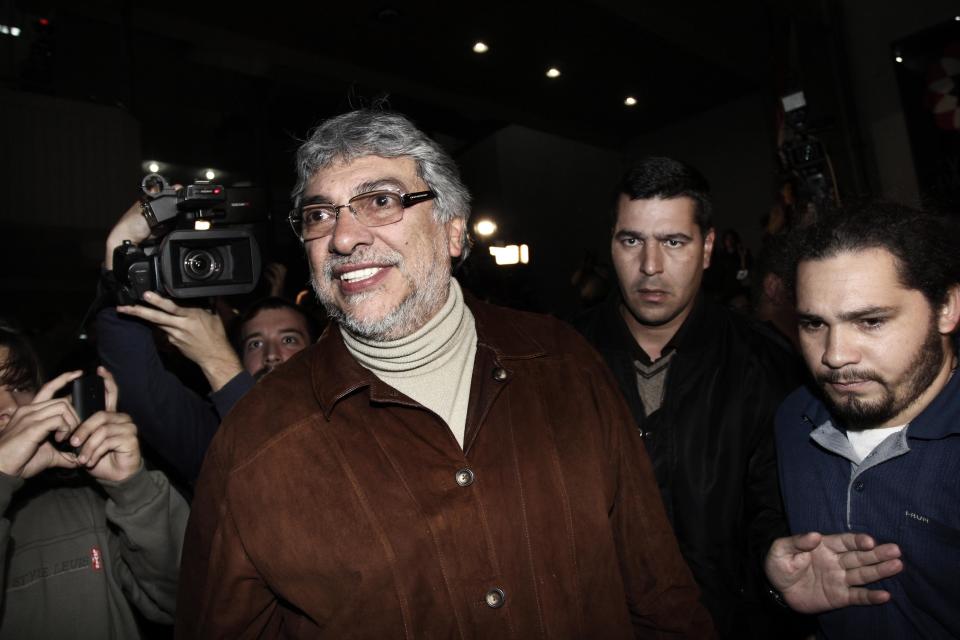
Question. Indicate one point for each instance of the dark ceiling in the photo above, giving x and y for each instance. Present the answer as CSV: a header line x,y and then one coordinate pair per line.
x,y
231,77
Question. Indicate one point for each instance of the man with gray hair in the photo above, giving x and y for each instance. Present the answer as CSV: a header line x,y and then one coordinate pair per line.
x,y
433,466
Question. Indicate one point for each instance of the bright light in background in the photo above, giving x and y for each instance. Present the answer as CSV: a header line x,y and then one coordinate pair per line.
x,y
201,225
485,227
511,254
630,101
480,47
899,58
553,72
154,167
10,31
210,174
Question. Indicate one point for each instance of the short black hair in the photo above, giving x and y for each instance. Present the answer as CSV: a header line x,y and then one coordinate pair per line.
x,y
21,370
665,178
272,302
925,245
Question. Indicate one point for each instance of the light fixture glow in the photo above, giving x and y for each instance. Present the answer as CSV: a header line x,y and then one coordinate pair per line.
x,y
4,28
210,174
899,58
509,254
154,167
15,31
485,227
630,101
957,18
480,47
201,225
553,72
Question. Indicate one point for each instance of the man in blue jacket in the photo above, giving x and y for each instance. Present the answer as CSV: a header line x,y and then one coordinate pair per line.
x,y
869,462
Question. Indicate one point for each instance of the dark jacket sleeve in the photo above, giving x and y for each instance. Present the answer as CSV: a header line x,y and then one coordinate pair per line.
x,y
176,422
779,373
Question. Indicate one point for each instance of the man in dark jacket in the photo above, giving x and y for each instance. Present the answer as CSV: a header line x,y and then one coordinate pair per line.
x,y
703,384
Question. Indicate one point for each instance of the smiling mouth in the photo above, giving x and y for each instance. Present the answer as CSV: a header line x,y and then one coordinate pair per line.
x,y
359,274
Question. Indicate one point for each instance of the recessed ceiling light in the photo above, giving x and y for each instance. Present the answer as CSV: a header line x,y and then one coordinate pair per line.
x,y
899,58
553,72
154,167
485,227
210,174
480,47
630,101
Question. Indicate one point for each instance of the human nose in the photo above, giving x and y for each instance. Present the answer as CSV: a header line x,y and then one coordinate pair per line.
x,y
839,350
348,232
652,259
8,404
271,354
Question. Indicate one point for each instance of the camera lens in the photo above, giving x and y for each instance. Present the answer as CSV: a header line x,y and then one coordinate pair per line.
x,y
201,264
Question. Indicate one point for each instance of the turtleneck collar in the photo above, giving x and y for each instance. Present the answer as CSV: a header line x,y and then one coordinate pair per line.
x,y
424,350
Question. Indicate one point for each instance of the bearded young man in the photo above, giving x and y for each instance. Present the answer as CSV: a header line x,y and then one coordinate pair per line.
x,y
869,463
433,466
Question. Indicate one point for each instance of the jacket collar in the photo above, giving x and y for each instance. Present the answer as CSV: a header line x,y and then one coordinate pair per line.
x,y
335,373
695,334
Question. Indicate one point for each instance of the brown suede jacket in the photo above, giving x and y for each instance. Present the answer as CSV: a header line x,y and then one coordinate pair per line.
x,y
331,505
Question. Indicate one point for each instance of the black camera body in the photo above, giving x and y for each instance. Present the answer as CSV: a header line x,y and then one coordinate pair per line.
x,y
193,259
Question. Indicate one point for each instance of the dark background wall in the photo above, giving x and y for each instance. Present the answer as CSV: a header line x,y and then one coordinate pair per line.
x,y
105,87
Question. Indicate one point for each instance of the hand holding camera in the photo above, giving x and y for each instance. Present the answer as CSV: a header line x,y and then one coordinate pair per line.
x,y
198,334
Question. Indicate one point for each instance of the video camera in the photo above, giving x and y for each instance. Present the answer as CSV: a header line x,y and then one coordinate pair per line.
x,y
192,258
804,155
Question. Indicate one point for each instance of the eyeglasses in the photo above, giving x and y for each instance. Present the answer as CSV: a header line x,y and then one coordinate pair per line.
x,y
371,209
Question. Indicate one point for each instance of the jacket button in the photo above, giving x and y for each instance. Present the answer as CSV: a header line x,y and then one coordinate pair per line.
x,y
495,598
858,486
464,477
499,374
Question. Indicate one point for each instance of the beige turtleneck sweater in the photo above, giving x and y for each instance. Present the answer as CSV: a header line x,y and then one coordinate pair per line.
x,y
433,365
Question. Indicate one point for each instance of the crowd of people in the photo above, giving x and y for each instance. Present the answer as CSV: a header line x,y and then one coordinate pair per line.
x,y
432,465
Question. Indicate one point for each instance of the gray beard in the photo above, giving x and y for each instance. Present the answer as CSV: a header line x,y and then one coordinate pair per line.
x,y
421,304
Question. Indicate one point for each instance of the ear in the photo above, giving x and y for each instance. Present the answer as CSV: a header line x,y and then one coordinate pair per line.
x,y
949,314
708,247
455,236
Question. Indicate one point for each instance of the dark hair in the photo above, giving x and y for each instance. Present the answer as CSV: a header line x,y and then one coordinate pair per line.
x,y
665,178
272,302
925,246
21,369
